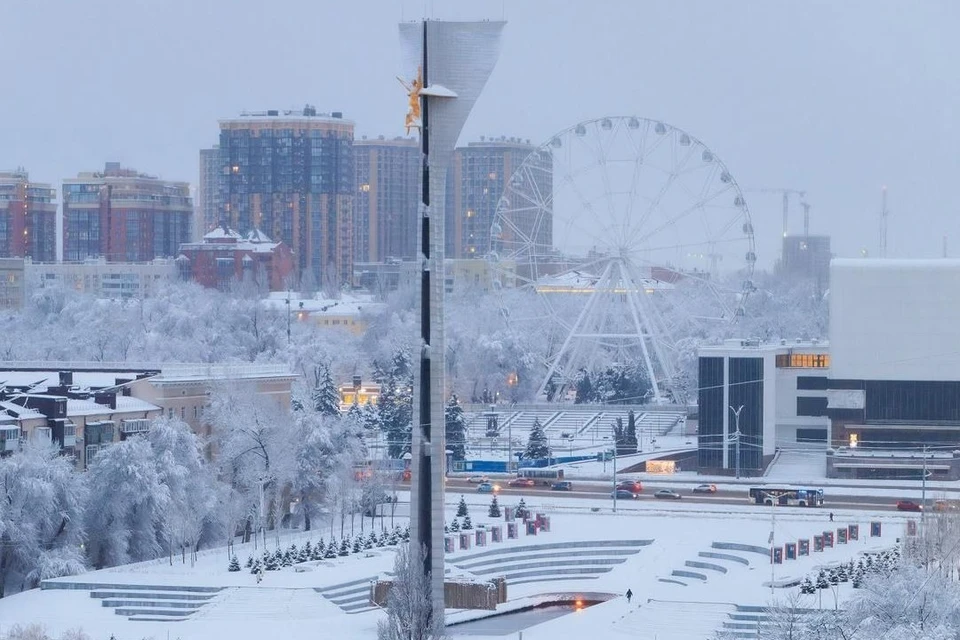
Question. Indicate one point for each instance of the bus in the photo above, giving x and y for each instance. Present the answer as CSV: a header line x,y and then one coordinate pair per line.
x,y
541,475
787,496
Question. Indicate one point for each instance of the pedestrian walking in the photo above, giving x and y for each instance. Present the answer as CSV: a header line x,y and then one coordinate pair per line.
x,y
629,595
831,516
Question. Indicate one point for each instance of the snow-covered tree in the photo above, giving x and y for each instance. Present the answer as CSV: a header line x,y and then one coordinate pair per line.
x,y
395,404
537,446
494,511
126,527
410,614
456,428
234,564
192,510
462,507
41,516
630,441
467,524
326,398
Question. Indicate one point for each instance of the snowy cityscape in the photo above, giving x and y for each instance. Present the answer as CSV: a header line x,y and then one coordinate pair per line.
x,y
296,343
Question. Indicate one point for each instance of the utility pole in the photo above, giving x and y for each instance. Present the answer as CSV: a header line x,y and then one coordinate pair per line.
x,y
806,218
288,316
614,476
736,436
923,488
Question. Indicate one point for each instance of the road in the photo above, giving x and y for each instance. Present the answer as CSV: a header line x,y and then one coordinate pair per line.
x,y
832,499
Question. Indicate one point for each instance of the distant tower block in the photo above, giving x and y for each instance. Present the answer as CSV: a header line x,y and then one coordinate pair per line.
x,y
446,65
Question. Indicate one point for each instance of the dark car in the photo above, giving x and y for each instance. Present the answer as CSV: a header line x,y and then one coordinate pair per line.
x,y
705,488
563,485
667,494
623,494
908,505
522,482
633,486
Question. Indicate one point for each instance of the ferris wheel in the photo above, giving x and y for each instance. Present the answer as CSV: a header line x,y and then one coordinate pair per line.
x,y
630,234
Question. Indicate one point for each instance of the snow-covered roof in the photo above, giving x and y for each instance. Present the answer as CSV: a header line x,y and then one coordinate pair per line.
x,y
222,233
346,305
227,371
131,404
125,404
20,412
81,379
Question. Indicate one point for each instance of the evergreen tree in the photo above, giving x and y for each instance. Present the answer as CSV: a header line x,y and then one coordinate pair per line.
x,y
395,404
269,562
537,446
307,552
234,564
287,560
249,562
319,550
331,551
325,397
822,581
382,539
255,567
357,545
446,528
806,587
406,534
455,527
344,547
371,540
494,511
834,577
584,388
394,538
630,441
462,507
521,509
467,525
456,428
277,559
620,437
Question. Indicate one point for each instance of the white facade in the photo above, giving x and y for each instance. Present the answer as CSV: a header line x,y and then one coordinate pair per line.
x,y
895,319
113,280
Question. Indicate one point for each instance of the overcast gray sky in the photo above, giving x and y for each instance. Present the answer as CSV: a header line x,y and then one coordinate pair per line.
x,y
838,98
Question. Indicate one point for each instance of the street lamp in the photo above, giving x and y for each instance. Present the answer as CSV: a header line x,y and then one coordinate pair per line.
x,y
736,435
288,316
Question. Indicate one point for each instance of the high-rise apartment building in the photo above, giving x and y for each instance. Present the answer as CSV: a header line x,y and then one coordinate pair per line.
x,y
124,216
387,183
478,177
208,193
290,175
28,218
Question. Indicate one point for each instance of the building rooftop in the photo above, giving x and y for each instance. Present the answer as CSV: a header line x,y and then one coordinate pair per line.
x,y
753,344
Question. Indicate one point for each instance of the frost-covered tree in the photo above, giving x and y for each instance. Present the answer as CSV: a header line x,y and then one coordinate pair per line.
x,y
410,614
192,512
462,509
41,516
537,445
494,511
326,398
395,404
127,526
456,428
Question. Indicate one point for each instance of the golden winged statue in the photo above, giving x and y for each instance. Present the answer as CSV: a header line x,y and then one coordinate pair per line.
x,y
413,92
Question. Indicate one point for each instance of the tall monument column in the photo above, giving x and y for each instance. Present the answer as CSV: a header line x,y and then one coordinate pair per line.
x,y
447,65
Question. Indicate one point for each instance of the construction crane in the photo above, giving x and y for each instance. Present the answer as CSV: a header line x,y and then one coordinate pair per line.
x,y
785,193
806,218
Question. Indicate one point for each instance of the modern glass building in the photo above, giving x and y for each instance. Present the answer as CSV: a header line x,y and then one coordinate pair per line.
x,y
208,193
386,197
28,218
290,174
122,215
478,177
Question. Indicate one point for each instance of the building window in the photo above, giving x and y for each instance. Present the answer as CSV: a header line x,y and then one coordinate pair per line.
x,y
803,361
815,407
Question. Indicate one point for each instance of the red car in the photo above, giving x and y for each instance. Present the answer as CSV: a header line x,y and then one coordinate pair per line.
x,y
908,505
633,486
521,482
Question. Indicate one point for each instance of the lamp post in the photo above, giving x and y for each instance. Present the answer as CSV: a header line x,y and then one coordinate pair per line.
x,y
736,435
614,477
288,316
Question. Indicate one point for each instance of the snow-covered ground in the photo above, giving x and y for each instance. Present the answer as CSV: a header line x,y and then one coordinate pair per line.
x,y
798,465
650,541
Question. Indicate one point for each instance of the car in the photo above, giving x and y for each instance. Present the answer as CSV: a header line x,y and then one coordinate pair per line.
x,y
908,505
667,494
488,487
478,479
943,505
633,486
623,494
705,488
563,485
522,482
